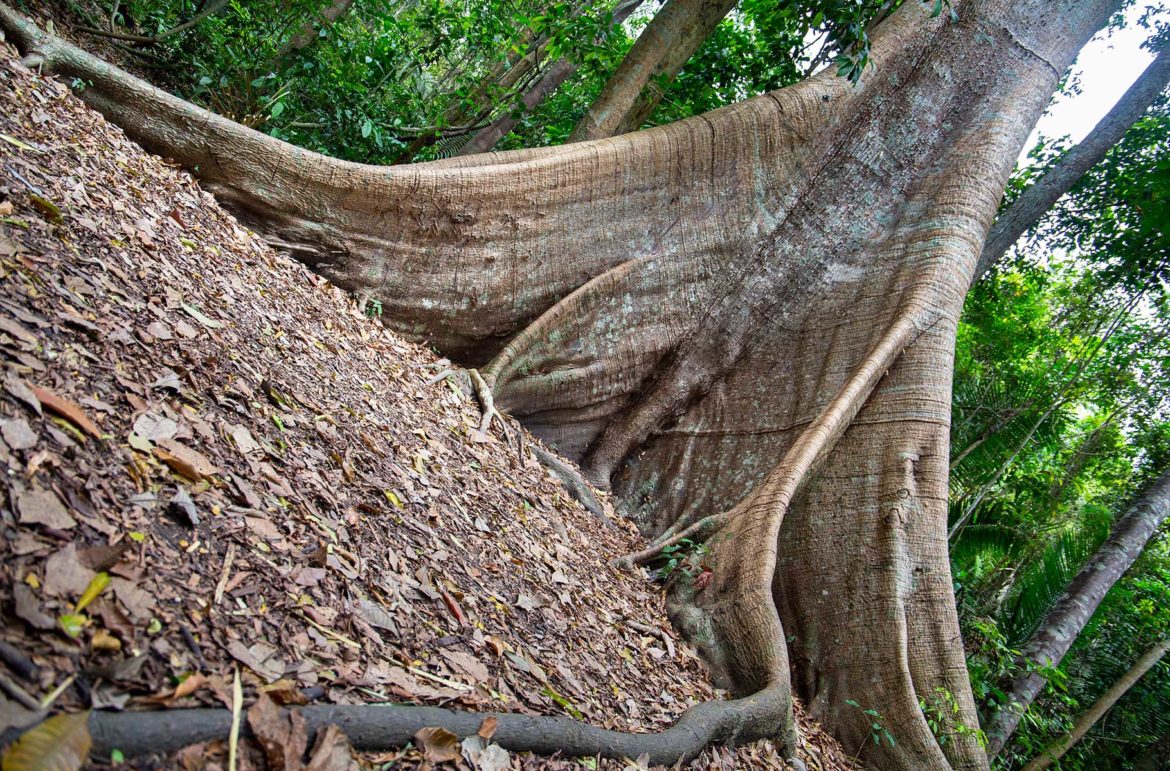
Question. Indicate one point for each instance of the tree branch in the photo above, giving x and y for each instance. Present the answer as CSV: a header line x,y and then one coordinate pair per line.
x,y
1024,212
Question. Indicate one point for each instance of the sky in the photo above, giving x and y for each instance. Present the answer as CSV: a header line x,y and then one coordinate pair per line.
x,y
1106,67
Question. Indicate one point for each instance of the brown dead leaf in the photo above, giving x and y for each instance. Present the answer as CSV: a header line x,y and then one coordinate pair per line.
x,y
28,608
281,735
438,745
59,405
332,752
65,575
185,461
18,434
42,507
487,729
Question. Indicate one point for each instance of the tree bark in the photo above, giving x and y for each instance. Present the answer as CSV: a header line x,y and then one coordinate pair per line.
x,y
638,85
1076,606
1065,743
1024,212
743,323
558,72
307,33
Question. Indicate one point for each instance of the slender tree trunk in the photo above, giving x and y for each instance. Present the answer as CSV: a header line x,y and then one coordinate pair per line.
x,y
1072,611
1157,755
560,71
1065,743
636,88
308,32
700,316
1036,200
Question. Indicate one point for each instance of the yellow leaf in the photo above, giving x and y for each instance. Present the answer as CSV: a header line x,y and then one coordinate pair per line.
x,y
60,743
99,582
136,536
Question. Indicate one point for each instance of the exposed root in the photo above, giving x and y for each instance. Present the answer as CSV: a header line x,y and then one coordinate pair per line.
x,y
701,529
573,481
381,727
484,393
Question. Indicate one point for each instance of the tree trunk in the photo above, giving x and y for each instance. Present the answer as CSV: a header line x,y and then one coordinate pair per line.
x,y
308,33
560,71
1036,200
1065,743
1072,611
636,88
743,323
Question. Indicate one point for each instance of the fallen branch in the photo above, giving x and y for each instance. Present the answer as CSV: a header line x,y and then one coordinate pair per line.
x,y
382,727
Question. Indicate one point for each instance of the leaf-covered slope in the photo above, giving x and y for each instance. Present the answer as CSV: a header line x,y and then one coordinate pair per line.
x,y
215,461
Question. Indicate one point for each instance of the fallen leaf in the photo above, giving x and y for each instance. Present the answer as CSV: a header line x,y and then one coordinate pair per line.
x,y
29,609
438,745
196,314
22,392
185,461
260,658
65,575
467,664
487,729
60,743
61,406
39,506
182,505
155,427
332,752
96,586
282,736
18,434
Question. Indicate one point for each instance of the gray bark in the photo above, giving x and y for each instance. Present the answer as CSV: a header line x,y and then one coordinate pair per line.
x,y
1049,644
636,88
1034,202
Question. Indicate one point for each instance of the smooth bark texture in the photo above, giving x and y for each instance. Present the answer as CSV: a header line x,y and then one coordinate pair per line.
x,y
1076,606
1098,710
380,727
552,79
1025,211
743,322
659,53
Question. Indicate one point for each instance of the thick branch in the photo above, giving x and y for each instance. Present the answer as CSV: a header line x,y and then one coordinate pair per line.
x,y
639,83
380,727
560,71
1049,644
1034,202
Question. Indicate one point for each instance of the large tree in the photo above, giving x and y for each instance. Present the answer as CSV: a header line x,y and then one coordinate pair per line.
x,y
742,323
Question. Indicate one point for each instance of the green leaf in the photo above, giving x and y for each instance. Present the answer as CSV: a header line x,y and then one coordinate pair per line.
x,y
277,109
367,129
73,624
99,582
60,743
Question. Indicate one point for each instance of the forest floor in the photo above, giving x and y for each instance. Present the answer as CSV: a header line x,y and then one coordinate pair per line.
x,y
217,464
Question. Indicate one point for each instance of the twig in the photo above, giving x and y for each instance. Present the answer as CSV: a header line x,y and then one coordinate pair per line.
x,y
652,631
237,707
223,576
193,645
15,691
54,694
